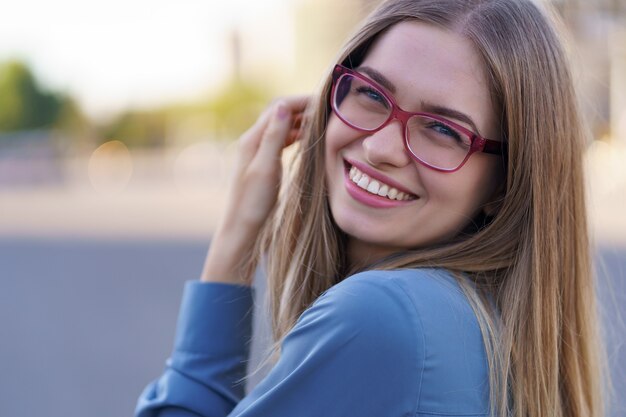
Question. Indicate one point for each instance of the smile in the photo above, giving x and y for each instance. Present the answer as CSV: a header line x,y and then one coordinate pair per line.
x,y
372,190
377,187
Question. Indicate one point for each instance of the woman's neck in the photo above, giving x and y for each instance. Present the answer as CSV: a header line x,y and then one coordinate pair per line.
x,y
362,253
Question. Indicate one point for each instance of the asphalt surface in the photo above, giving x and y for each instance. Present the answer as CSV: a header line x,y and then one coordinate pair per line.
x,y
86,324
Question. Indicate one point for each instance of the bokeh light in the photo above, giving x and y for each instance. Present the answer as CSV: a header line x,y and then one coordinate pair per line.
x,y
110,167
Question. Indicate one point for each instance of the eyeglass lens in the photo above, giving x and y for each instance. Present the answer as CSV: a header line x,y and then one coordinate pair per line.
x,y
363,106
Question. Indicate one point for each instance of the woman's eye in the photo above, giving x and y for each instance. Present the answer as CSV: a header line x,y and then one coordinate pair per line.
x,y
446,130
372,94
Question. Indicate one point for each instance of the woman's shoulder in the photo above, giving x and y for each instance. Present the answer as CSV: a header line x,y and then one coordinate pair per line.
x,y
421,314
424,290
430,297
413,308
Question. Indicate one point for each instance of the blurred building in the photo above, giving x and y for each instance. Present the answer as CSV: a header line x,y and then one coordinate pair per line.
x,y
290,54
598,28
322,28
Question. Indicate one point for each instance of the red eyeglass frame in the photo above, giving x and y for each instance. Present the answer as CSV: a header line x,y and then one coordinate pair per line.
x,y
478,143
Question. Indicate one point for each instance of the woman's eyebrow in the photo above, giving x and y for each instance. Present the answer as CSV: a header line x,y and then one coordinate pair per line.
x,y
378,77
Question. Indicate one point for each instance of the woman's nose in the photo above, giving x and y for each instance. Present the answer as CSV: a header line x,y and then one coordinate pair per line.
x,y
387,146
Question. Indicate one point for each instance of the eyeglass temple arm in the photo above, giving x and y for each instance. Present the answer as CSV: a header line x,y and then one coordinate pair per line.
x,y
489,146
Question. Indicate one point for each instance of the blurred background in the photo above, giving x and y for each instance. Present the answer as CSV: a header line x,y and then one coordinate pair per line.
x,y
117,124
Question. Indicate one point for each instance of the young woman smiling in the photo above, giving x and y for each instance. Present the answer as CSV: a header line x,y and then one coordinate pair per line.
x,y
429,255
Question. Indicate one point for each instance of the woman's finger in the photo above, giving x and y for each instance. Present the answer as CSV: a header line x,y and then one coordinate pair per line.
x,y
296,126
251,139
296,103
275,135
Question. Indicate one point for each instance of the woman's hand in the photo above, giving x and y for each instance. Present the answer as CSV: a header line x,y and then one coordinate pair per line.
x,y
254,191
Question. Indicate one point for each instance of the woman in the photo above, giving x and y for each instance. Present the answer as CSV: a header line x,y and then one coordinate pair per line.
x,y
429,255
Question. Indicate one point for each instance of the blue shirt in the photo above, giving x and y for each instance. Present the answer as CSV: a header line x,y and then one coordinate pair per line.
x,y
379,343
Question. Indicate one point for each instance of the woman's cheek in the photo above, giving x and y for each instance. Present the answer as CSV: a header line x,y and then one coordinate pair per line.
x,y
338,135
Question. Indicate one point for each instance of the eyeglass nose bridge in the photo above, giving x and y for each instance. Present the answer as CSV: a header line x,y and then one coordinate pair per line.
x,y
402,117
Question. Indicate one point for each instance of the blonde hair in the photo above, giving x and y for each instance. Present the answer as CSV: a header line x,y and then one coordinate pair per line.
x,y
532,257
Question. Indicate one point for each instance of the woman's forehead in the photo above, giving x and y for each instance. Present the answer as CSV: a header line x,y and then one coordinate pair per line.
x,y
427,63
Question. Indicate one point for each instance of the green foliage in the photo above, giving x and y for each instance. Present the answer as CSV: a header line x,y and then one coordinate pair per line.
x,y
23,104
228,114
70,117
137,129
236,108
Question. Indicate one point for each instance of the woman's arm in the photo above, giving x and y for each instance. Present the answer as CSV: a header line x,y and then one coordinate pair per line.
x,y
203,375
357,351
221,360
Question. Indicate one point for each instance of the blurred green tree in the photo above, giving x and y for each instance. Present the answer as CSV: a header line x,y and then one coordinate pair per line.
x,y
236,107
228,113
70,117
137,129
23,104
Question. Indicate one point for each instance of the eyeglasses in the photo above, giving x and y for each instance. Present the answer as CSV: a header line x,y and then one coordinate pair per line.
x,y
430,139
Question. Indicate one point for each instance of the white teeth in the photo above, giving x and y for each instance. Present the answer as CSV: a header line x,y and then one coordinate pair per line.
x,y
363,182
375,187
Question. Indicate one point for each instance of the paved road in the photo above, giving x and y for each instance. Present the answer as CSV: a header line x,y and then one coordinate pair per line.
x,y
84,325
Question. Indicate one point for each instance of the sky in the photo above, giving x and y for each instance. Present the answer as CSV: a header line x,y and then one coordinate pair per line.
x,y
126,53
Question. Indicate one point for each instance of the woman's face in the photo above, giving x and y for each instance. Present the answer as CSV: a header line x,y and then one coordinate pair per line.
x,y
427,68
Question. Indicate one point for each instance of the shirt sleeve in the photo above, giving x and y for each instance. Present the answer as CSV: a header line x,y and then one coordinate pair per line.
x,y
203,376
356,351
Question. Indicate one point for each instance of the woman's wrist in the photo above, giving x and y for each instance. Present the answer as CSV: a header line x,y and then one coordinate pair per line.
x,y
229,260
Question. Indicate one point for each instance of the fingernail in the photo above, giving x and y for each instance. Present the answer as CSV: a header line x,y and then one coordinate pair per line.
x,y
282,111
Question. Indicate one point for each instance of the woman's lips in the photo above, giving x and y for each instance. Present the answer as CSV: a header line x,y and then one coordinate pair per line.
x,y
377,176
376,187
369,199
